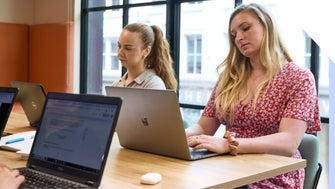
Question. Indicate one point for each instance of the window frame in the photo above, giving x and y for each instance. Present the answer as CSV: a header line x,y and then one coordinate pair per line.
x,y
173,36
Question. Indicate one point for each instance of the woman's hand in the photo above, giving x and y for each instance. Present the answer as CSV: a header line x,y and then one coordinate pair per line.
x,y
211,143
10,179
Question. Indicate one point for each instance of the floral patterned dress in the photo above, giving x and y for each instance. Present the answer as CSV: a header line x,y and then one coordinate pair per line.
x,y
291,94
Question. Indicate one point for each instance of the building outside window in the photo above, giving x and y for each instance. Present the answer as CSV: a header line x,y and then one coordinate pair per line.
x,y
202,44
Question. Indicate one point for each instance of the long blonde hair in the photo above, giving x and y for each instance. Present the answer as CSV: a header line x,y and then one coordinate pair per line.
x,y
159,58
236,69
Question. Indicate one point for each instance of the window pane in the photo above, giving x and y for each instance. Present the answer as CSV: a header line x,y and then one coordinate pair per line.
x,y
190,44
292,34
190,116
151,15
203,46
103,3
198,64
115,63
299,46
110,59
199,45
96,3
103,32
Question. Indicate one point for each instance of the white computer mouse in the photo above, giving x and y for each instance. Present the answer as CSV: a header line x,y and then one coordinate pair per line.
x,y
151,178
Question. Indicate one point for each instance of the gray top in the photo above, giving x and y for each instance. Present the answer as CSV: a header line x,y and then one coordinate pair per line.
x,y
147,79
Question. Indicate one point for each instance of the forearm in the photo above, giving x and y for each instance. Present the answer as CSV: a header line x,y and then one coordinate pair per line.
x,y
205,126
285,142
194,130
281,143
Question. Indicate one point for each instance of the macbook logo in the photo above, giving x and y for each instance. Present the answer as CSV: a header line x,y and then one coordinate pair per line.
x,y
34,105
145,121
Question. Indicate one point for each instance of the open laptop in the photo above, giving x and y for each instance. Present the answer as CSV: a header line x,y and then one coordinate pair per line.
x,y
7,99
150,121
73,139
32,97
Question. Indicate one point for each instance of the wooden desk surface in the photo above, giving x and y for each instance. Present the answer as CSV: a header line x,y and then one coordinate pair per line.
x,y
17,122
125,167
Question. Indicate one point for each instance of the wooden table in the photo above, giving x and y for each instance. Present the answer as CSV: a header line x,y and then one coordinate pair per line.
x,y
125,167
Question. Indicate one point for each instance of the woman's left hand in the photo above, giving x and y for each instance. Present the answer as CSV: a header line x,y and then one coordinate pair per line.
x,y
211,143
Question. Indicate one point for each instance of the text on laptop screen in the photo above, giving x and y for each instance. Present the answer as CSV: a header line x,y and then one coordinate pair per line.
x,y
74,133
6,97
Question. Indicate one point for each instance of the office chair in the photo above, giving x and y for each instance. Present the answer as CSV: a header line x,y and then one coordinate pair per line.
x,y
309,149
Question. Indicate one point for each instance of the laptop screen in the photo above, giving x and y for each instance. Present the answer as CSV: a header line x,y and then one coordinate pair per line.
x,y
7,97
74,135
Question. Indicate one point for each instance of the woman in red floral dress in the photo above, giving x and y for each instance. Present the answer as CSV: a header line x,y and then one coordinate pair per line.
x,y
265,101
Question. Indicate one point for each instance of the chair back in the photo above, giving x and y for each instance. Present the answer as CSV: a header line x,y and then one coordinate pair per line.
x,y
309,150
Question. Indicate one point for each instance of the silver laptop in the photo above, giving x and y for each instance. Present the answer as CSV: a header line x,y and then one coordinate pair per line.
x,y
150,121
32,97
7,99
72,141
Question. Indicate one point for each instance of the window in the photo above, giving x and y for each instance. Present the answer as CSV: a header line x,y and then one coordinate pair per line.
x,y
194,54
302,49
198,34
110,59
104,24
114,59
308,51
203,46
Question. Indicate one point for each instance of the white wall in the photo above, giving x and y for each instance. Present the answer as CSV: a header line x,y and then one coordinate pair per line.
x,y
331,169
53,11
16,11
317,19
36,11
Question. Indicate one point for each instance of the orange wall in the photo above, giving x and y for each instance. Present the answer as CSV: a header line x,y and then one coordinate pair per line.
x,y
51,56
37,42
13,52
39,53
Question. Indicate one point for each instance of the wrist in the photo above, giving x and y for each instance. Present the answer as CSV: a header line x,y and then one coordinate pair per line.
x,y
232,142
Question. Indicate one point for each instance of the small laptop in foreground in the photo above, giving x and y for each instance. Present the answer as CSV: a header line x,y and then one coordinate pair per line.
x,y
150,121
32,97
72,141
7,99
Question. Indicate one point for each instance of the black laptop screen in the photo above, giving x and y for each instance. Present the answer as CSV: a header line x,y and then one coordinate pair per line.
x,y
6,103
74,133
6,100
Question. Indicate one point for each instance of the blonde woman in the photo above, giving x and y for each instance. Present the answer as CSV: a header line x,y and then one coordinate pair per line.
x,y
265,101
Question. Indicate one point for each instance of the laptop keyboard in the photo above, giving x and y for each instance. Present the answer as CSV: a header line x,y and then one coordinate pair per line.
x,y
38,180
201,153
